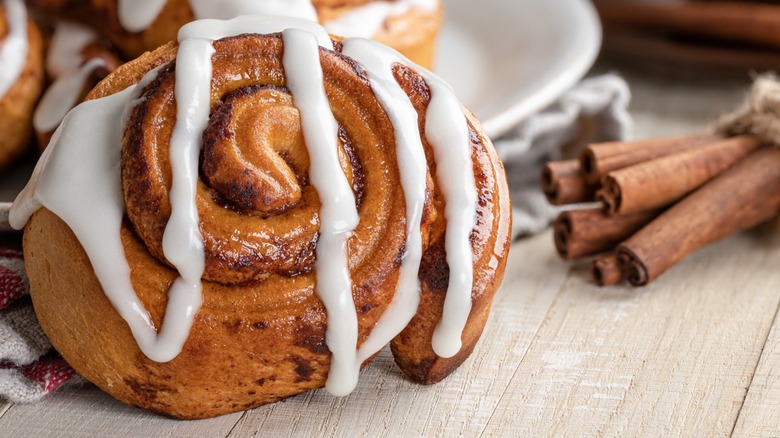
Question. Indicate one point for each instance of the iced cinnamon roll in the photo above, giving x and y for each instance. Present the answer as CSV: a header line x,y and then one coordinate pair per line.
x,y
77,59
259,210
409,26
21,78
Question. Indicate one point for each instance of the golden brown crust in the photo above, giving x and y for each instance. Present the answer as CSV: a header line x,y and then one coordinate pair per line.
x,y
17,105
257,340
244,350
412,33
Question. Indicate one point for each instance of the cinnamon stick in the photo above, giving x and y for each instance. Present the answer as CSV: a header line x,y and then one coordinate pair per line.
x,y
580,233
659,52
606,270
740,198
727,21
660,182
563,183
597,160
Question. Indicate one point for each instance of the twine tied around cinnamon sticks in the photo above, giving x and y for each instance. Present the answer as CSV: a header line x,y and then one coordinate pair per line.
x,y
759,115
663,199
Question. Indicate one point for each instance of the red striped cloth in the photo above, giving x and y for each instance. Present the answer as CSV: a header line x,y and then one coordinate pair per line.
x,y
13,282
29,368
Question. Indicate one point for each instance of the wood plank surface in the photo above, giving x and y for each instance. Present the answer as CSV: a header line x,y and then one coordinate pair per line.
x,y
671,359
89,412
386,405
760,413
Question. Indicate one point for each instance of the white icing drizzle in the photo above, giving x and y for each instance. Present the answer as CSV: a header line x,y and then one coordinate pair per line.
x,y
63,95
13,52
448,134
378,61
64,55
182,242
216,29
366,20
338,214
137,15
91,202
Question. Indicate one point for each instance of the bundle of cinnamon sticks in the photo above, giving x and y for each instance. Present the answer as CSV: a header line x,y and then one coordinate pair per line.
x,y
659,200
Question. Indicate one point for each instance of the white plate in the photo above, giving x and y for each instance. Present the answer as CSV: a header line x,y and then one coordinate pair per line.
x,y
507,59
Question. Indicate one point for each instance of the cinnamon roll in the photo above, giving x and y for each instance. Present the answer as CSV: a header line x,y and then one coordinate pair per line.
x,y
260,210
409,26
77,59
21,78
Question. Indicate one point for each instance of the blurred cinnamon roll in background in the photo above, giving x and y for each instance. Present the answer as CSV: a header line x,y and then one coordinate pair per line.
x,y
21,78
135,27
76,60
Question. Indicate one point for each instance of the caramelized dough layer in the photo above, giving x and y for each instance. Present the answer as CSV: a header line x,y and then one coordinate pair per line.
x,y
260,335
18,104
413,33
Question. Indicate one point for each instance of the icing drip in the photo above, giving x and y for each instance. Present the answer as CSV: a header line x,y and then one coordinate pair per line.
x,y
63,95
92,205
137,15
13,52
448,134
338,214
217,29
378,61
64,55
182,241
91,202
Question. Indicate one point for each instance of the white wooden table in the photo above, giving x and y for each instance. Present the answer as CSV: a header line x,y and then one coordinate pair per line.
x,y
697,353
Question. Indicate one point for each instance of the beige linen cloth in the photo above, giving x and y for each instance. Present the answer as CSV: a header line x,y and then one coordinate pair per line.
x,y
595,110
